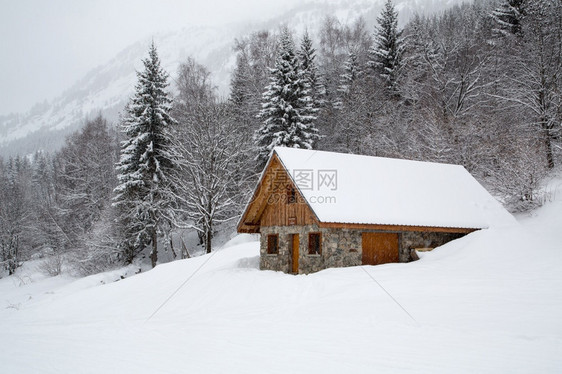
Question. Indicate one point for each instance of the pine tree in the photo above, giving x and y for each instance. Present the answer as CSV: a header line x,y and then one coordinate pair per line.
x,y
352,71
351,105
254,55
239,95
307,57
243,100
386,54
145,195
14,213
508,16
287,110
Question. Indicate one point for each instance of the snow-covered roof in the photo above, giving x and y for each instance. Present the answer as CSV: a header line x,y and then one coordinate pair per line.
x,y
346,188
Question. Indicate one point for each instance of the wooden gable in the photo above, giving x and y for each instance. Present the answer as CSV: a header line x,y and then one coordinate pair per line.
x,y
271,206
276,202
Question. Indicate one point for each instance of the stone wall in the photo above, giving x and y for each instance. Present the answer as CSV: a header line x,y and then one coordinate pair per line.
x,y
280,261
414,239
340,247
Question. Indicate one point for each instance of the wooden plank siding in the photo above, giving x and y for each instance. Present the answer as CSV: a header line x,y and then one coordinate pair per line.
x,y
278,212
269,205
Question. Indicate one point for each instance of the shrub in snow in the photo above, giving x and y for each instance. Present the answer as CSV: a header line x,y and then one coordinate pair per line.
x,y
52,265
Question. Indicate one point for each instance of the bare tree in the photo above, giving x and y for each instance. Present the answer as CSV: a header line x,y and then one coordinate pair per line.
x,y
532,79
86,177
214,170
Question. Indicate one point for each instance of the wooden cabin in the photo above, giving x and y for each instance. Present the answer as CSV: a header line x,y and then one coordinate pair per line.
x,y
316,210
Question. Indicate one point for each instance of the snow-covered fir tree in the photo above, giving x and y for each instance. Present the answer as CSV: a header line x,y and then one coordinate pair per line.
x,y
13,213
238,89
350,105
508,16
244,99
287,110
386,54
351,72
307,57
145,195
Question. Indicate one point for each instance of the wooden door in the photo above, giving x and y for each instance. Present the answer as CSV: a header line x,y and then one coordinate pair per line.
x,y
379,248
295,253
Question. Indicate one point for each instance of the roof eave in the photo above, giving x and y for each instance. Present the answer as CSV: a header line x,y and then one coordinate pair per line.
x,y
398,227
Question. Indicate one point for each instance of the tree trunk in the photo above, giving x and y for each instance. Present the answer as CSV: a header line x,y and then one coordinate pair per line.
x,y
13,255
184,251
172,248
154,253
209,226
208,238
548,146
130,251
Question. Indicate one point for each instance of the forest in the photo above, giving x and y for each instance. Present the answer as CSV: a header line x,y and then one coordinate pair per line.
x,y
478,85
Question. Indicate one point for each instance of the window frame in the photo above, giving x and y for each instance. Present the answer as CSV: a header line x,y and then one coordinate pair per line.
x,y
269,244
312,251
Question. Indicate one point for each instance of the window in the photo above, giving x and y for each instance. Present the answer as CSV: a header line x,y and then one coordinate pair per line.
x,y
273,244
314,243
291,196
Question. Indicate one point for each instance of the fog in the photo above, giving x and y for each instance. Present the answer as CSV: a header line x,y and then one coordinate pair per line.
x,y
48,45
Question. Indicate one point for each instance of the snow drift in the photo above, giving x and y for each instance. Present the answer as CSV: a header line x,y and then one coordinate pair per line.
x,y
489,302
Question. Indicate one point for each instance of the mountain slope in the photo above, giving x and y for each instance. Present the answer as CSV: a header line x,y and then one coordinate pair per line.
x,y
106,88
487,303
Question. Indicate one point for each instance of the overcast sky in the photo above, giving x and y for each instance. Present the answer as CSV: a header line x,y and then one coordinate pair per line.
x,y
48,44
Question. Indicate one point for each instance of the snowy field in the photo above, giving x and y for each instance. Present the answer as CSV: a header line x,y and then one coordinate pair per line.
x,y
488,303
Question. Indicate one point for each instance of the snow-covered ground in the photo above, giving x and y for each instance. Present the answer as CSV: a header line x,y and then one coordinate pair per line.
x,y
490,302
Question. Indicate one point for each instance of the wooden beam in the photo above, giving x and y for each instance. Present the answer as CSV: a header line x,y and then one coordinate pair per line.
x,y
257,205
397,228
269,178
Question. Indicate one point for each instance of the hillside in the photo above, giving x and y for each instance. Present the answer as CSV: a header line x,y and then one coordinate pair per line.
x,y
488,303
105,88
